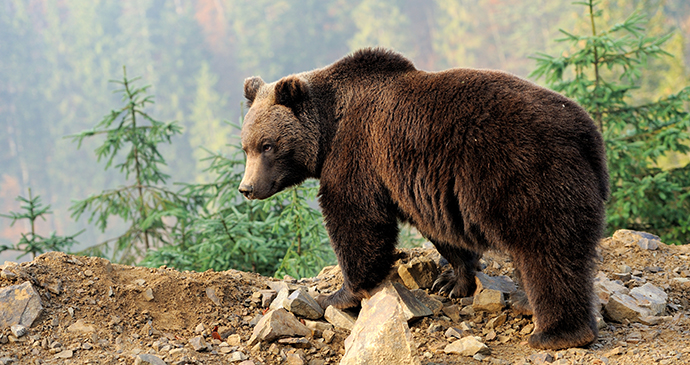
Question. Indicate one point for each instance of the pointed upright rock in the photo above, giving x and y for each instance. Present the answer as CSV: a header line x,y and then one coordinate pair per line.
x,y
381,335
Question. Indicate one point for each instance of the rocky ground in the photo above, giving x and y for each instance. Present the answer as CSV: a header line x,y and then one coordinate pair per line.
x,y
95,312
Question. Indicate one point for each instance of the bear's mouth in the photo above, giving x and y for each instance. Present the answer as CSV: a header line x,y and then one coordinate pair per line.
x,y
268,193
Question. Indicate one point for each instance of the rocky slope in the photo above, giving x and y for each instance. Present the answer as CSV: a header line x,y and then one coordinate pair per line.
x,y
90,311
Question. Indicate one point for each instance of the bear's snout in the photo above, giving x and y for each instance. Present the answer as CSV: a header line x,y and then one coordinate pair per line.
x,y
246,190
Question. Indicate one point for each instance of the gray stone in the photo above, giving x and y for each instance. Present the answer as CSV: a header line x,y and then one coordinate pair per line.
x,y
211,294
466,326
328,336
267,296
296,342
277,324
148,359
625,269
644,240
18,330
453,312
339,318
318,325
64,354
255,320
300,303
381,334
20,304
468,346
148,294
279,301
529,328
624,277
683,282
621,307
54,286
604,288
7,274
453,332
434,327
198,343
467,311
237,356
541,358
81,327
501,283
497,322
423,297
649,296
234,340
294,359
419,273
277,286
489,300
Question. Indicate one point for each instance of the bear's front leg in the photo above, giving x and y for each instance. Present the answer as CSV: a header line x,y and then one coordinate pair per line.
x,y
459,281
363,233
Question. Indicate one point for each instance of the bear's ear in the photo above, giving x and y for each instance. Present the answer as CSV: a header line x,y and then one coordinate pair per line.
x,y
290,91
251,87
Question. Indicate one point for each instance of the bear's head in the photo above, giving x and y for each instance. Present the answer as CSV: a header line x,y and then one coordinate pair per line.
x,y
278,137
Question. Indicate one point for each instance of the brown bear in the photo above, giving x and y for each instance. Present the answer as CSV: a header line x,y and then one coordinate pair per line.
x,y
475,159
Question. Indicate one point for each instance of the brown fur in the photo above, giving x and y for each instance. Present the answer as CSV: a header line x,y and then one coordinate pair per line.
x,y
475,159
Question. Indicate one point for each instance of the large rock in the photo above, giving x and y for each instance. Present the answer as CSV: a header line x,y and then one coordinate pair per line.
x,y
643,305
604,288
419,273
302,304
501,283
19,304
651,297
467,346
644,240
621,307
381,335
412,308
277,324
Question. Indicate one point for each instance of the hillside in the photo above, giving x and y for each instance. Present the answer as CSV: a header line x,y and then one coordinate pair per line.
x,y
96,312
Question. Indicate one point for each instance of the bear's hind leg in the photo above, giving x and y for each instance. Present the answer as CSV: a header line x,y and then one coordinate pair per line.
x,y
559,291
458,282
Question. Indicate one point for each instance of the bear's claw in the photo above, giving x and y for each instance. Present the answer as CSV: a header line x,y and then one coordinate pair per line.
x,y
448,283
341,299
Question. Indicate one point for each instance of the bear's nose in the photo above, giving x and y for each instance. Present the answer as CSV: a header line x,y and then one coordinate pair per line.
x,y
246,190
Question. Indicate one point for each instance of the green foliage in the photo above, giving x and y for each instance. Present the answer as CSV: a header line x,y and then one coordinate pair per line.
x,y
145,203
203,225
278,236
601,72
33,243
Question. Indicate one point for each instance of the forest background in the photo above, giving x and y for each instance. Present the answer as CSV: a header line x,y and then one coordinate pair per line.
x,y
56,58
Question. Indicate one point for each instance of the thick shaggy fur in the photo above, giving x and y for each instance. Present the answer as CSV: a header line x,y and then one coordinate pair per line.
x,y
475,159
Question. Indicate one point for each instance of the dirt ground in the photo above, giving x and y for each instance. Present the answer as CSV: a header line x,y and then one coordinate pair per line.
x,y
121,320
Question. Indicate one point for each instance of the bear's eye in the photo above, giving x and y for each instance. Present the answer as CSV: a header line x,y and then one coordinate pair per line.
x,y
267,147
